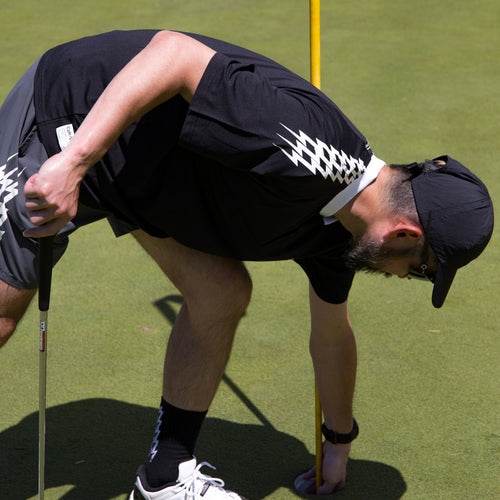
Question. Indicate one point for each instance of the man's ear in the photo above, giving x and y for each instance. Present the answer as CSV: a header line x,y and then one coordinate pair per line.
x,y
403,231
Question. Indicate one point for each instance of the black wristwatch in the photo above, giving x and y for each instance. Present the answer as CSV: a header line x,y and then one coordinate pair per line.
x,y
337,437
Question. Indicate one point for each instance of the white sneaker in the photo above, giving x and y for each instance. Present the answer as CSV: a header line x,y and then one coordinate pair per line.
x,y
191,485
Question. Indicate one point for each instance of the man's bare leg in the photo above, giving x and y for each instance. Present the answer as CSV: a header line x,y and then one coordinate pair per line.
x,y
216,293
13,304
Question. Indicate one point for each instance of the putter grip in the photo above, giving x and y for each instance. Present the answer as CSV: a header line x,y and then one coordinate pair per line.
x,y
44,272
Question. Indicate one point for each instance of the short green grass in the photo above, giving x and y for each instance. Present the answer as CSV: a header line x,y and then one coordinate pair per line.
x,y
420,79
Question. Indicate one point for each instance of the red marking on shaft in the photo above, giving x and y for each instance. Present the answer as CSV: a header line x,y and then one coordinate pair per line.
x,y
43,336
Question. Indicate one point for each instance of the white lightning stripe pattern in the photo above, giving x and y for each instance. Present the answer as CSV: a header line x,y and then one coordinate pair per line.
x,y
8,190
156,441
321,158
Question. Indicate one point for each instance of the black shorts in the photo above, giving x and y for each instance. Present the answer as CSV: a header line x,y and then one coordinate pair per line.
x,y
21,156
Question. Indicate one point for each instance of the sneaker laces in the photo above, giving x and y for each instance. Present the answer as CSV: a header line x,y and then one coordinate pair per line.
x,y
189,484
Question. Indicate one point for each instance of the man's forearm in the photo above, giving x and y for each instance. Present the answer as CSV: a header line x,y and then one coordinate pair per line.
x,y
333,350
335,365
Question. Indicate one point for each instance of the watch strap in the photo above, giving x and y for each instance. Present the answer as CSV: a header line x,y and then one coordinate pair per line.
x,y
337,437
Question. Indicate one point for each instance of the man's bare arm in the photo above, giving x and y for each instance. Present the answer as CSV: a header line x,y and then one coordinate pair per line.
x,y
333,350
171,64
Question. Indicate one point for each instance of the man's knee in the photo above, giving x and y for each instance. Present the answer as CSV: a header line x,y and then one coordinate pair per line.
x,y
7,328
212,286
221,296
13,304
228,292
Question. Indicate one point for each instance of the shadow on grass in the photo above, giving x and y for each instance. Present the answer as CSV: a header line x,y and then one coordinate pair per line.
x,y
97,444
264,447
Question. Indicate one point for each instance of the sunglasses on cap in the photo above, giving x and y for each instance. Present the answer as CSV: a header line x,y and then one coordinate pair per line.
x,y
420,273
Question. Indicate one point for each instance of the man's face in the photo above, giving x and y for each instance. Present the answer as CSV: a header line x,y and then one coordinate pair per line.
x,y
417,260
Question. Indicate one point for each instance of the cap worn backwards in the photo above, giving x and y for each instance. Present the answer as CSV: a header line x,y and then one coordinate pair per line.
x,y
456,213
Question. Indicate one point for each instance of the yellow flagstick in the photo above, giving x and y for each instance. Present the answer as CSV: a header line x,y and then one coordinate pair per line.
x,y
315,57
314,30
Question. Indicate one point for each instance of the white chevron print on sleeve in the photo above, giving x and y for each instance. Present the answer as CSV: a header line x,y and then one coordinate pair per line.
x,y
321,158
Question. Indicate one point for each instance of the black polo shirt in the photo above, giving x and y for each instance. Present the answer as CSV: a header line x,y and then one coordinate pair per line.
x,y
243,171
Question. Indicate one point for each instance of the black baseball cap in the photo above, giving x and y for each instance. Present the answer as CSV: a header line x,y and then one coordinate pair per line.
x,y
456,213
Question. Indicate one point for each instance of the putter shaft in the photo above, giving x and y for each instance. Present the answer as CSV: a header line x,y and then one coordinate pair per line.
x,y
44,283
42,391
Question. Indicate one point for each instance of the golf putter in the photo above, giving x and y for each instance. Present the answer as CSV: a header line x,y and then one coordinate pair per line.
x,y
44,282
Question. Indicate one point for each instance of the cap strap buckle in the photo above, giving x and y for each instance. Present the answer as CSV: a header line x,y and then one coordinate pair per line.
x,y
414,169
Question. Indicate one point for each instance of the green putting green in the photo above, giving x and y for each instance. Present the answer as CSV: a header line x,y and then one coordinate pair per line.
x,y
419,79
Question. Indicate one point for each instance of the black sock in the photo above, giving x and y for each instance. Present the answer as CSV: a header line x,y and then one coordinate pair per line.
x,y
173,443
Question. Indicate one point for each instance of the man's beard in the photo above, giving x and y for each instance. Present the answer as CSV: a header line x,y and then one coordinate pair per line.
x,y
370,256
366,255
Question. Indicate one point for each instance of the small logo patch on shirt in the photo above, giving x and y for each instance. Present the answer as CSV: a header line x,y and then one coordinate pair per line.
x,y
64,134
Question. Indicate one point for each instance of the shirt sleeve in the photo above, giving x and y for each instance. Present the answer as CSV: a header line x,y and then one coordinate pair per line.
x,y
328,277
241,112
